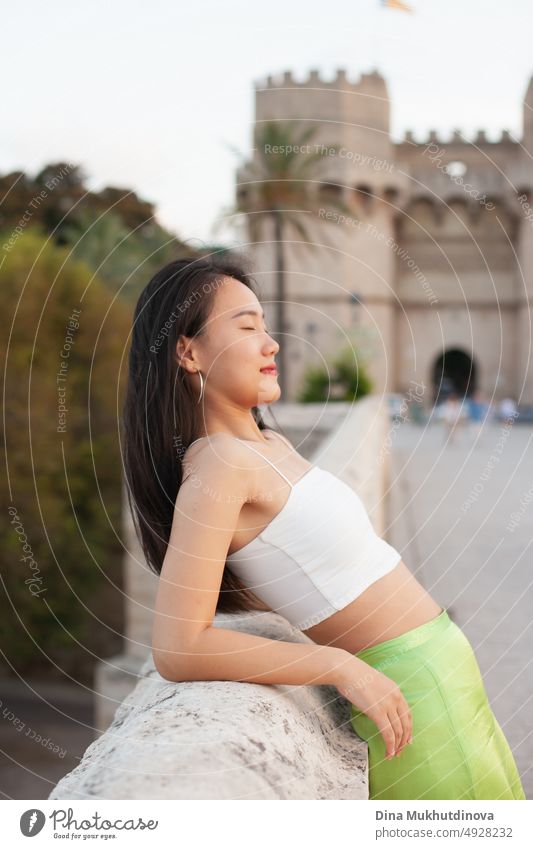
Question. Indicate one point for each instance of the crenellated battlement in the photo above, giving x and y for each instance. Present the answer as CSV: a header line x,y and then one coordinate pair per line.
x,y
457,138
374,83
356,110
314,80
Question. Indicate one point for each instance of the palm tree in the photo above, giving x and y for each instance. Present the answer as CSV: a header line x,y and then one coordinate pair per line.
x,y
281,187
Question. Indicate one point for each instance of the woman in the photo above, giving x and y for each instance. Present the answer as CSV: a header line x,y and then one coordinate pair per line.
x,y
232,518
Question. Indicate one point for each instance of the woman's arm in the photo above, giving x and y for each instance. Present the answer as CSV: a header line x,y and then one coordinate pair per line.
x,y
218,654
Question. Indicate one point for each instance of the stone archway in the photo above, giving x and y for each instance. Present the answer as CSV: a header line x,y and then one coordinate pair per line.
x,y
453,371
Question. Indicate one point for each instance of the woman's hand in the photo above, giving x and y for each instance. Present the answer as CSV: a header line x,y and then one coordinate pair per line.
x,y
381,699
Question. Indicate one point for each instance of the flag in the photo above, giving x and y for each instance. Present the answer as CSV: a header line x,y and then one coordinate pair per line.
x,y
396,4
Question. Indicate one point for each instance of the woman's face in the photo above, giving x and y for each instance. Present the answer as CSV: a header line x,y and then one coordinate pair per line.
x,y
235,347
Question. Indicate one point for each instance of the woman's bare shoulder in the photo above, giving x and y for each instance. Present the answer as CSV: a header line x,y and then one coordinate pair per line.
x,y
216,443
219,456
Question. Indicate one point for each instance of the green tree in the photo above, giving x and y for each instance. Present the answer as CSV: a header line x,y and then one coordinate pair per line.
x,y
114,231
64,486
346,380
124,259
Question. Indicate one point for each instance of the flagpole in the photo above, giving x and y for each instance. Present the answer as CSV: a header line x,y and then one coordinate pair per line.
x,y
373,39
395,5
377,38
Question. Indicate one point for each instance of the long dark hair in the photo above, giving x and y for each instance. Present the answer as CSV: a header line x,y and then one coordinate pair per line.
x,y
160,417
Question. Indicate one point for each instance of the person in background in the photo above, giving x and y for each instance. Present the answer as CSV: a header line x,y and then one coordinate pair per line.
x,y
477,412
508,409
453,416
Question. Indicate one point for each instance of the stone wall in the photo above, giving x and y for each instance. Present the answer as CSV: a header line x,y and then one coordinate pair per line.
x,y
224,739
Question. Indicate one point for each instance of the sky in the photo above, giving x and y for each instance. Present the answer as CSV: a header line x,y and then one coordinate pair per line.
x,y
150,96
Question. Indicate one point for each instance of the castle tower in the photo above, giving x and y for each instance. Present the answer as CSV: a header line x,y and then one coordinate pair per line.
x,y
431,275
457,272
337,282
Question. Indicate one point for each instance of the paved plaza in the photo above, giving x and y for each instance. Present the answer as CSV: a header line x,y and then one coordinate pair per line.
x,y
461,513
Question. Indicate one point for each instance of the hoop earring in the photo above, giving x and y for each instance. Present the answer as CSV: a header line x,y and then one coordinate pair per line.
x,y
201,386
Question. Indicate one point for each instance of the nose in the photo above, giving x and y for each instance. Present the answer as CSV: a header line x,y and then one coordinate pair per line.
x,y
272,344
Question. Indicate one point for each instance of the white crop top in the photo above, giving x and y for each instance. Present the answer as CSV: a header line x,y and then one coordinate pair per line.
x,y
317,554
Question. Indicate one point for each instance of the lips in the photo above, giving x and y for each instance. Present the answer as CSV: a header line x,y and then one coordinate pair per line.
x,y
269,370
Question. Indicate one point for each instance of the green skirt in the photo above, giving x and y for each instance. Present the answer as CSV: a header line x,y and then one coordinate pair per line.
x,y
458,751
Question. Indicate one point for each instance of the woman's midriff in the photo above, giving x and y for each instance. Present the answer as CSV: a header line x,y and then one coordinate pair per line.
x,y
391,606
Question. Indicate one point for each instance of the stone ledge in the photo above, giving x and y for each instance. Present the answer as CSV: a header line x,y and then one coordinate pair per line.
x,y
225,739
